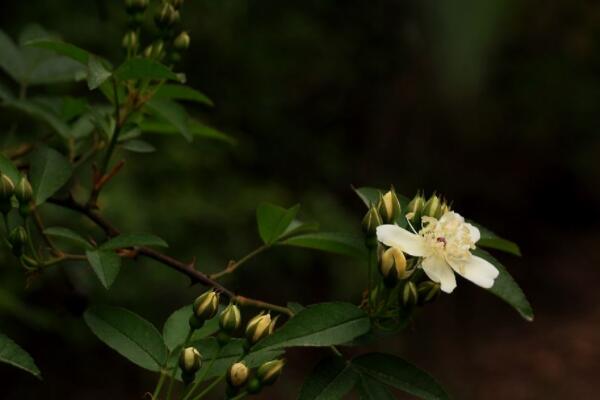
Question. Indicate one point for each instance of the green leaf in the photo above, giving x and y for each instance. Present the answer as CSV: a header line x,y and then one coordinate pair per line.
x,y
50,171
177,328
181,92
296,228
39,112
9,169
11,58
129,334
63,48
490,240
97,72
400,374
331,379
144,68
106,264
370,389
11,353
195,128
66,233
324,324
133,239
274,220
172,112
339,243
138,146
506,288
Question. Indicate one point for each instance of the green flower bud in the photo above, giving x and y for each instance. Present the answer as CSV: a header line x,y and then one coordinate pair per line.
x,y
370,222
254,386
268,373
392,266
272,325
415,208
136,6
177,4
17,238
190,360
23,191
409,294
130,40
7,187
389,207
428,291
182,41
166,16
29,262
206,305
433,207
444,208
237,375
258,328
230,319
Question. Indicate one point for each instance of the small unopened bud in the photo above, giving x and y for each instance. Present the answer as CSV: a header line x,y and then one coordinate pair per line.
x,y
206,305
389,207
17,238
444,208
409,294
268,373
393,266
432,207
155,50
177,4
370,222
136,6
166,16
190,360
237,374
254,386
130,40
230,319
428,291
415,208
7,187
273,325
258,328
23,191
182,41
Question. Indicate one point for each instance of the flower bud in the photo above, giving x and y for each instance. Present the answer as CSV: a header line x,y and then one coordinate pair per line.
x,y
433,207
237,374
370,222
409,294
392,266
258,328
182,41
254,386
444,208
155,50
206,305
17,238
7,187
136,6
389,207
166,16
268,373
428,291
272,325
130,40
23,191
190,360
415,208
230,319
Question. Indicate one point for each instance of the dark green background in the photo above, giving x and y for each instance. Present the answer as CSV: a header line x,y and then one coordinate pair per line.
x,y
492,103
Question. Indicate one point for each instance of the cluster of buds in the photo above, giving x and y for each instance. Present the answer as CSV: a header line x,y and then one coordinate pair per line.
x,y
239,376
190,361
418,207
387,211
24,194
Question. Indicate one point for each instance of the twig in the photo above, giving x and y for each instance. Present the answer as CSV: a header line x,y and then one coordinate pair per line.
x,y
233,265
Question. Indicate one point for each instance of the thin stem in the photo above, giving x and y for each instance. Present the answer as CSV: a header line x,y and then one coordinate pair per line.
x,y
200,379
159,385
30,240
174,369
209,387
240,396
235,265
115,136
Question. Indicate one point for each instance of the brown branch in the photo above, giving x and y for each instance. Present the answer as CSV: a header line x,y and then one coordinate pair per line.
x,y
185,268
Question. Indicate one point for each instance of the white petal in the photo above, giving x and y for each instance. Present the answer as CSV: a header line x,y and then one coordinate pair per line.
x,y
477,270
408,242
474,231
438,270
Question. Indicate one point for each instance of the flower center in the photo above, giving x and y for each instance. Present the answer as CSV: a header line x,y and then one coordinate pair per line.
x,y
449,237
